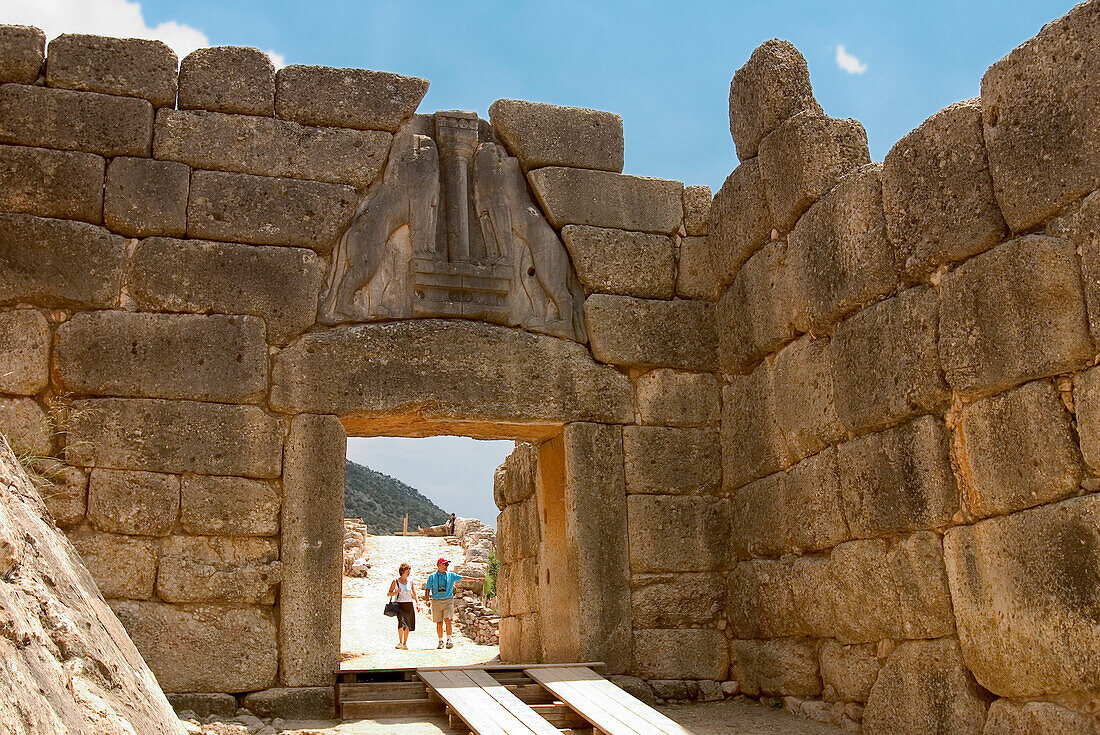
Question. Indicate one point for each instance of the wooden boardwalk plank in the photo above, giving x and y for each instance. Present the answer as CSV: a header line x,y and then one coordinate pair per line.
x,y
664,724
476,707
533,720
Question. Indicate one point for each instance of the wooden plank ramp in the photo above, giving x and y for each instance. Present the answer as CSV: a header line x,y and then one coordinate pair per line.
x,y
484,704
610,710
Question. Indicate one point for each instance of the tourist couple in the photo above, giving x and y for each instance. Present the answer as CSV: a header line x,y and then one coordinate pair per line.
x,y
439,590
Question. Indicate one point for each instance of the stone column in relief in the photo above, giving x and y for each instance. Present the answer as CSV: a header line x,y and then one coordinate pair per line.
x,y
312,535
457,134
595,509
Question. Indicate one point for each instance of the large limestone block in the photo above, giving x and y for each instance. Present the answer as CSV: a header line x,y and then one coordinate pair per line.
x,y
1037,718
312,541
923,688
174,436
520,475
759,518
672,461
1086,394
917,564
63,184
24,352
752,441
898,480
520,638
85,121
623,330
1024,589
838,257
1039,117
1082,227
55,263
886,367
760,601
550,135
753,318
67,495
204,648
804,157
270,147
293,703
264,210
127,67
848,672
576,196
676,600
780,667
218,569
620,262
145,197
1013,314
681,654
346,98
773,85
739,222
805,404
518,524
1016,450
448,370
281,285
139,355
701,527
669,397
142,503
518,586
123,566
697,201
938,194
229,505
26,426
695,274
22,51
232,79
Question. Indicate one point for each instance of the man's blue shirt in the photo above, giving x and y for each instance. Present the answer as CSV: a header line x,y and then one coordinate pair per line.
x,y
442,584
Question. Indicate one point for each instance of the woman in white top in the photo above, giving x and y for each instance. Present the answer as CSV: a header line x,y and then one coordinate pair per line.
x,y
405,590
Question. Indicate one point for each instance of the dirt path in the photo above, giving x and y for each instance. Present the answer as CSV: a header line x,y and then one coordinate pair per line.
x,y
367,637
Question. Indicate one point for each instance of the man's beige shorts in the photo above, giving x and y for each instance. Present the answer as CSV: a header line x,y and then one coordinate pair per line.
x,y
442,609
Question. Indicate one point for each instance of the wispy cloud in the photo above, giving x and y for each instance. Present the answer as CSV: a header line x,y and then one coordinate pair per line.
x,y
849,63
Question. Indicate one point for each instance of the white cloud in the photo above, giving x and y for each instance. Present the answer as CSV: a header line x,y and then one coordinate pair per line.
x,y
849,63
120,18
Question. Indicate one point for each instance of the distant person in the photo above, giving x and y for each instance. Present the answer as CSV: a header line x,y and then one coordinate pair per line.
x,y
405,590
439,590
449,526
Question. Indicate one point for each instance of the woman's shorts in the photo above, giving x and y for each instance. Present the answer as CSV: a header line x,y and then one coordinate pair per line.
x,y
406,615
442,609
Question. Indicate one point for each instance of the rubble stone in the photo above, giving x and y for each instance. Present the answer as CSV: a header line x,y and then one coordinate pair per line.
x,y
549,135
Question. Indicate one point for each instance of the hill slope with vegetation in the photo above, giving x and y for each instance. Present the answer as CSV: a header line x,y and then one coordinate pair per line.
x,y
382,501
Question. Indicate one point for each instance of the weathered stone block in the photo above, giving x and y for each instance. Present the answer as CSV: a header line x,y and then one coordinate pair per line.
x,y
230,79
760,602
938,194
520,585
1013,314
759,519
270,147
24,352
805,405
521,472
777,668
838,257
684,654
773,85
667,397
886,367
205,648
925,687
695,275
312,536
1016,450
1082,228
1038,116
263,210
676,600
281,285
752,441
22,51
549,135
123,566
64,184
697,201
520,638
674,461
141,503
346,98
145,197
701,524
1038,718
752,315
849,670
619,262
229,506
519,531
26,426
1024,589
804,157
898,480
127,67
205,704
426,368
575,196
651,333
917,565
138,355
218,569
739,222
85,121
67,496
174,436
296,703
59,263
1086,394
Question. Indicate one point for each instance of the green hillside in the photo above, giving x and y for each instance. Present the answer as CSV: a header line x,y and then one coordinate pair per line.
x,y
382,502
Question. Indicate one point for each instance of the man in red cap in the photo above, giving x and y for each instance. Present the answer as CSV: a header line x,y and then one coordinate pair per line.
x,y
439,591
